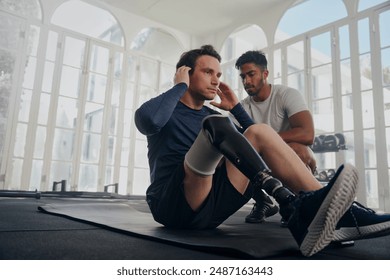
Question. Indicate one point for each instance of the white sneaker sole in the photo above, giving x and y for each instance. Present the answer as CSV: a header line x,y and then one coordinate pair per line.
x,y
364,232
340,197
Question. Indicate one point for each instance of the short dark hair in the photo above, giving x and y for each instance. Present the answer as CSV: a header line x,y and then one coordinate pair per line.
x,y
256,57
189,58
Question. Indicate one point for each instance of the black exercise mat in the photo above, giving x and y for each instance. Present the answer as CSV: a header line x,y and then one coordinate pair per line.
x,y
234,237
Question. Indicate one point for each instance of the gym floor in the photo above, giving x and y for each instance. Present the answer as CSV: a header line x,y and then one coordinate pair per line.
x,y
27,233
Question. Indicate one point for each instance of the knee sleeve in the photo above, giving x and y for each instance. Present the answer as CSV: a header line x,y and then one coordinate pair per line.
x,y
203,157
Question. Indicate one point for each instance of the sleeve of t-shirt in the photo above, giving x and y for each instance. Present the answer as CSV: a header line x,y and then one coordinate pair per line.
x,y
294,102
152,115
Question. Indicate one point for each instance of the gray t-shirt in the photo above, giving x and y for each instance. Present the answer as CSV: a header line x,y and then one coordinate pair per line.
x,y
282,103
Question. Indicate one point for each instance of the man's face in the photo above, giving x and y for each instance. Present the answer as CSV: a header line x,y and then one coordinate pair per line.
x,y
253,78
204,81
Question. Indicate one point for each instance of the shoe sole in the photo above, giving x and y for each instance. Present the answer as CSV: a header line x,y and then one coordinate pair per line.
x,y
364,232
338,200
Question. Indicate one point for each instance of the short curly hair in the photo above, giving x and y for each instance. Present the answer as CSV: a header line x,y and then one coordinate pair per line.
x,y
256,57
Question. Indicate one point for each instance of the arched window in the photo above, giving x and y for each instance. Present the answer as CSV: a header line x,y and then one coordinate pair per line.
x,y
251,37
24,8
100,24
307,15
158,44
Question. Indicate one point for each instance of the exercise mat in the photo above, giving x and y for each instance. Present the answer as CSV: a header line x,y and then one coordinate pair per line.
x,y
233,238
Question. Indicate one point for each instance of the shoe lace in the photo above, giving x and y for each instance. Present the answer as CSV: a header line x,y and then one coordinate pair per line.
x,y
353,215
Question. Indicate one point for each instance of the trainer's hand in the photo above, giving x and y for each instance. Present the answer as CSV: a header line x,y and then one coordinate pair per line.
x,y
182,75
227,96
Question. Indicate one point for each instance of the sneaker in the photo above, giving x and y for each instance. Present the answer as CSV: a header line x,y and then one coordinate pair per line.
x,y
260,211
360,222
317,213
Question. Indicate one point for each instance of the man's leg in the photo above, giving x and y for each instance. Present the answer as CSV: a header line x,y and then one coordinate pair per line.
x,y
315,213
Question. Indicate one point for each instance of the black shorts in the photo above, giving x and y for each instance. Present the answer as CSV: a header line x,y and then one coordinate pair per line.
x,y
171,209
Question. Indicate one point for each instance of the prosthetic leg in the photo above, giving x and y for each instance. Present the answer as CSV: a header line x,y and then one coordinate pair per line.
x,y
220,137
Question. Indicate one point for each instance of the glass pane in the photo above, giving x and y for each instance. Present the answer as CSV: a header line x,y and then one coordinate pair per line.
x,y
148,71
295,57
99,59
365,72
344,42
91,148
29,72
43,108
116,92
141,154
323,115
372,189
384,23
369,148
67,112
386,67
93,119
51,50
123,175
100,24
36,174
321,49
25,8
109,176
20,138
24,107
364,36
118,64
157,43
277,64
130,93
346,76
365,4
33,40
131,68
141,181
17,167
111,150
313,14
70,81
386,97
368,110
347,110
125,152
349,153
97,88
40,139
322,82
127,123
145,93
48,76
388,145
113,122
63,144
9,32
88,178
60,171
297,81
167,73
74,52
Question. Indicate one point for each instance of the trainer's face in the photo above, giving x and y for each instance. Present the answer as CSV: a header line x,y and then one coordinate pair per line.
x,y
253,78
204,81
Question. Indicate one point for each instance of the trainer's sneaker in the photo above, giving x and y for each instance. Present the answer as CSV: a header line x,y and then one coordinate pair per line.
x,y
360,222
260,211
317,213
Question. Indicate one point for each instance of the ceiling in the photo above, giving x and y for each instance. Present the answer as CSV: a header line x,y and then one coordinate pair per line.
x,y
198,17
